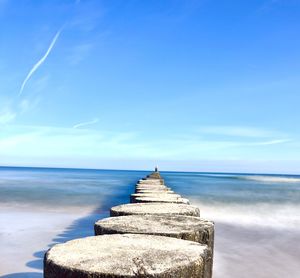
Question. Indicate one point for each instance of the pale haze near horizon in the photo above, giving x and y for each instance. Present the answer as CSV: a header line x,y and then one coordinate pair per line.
x,y
187,85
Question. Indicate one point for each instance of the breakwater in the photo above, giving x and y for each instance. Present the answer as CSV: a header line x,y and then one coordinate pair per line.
x,y
158,234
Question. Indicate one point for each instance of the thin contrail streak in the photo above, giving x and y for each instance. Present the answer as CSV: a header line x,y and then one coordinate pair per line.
x,y
40,62
94,121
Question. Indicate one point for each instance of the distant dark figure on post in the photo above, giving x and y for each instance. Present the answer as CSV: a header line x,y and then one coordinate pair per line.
x,y
156,169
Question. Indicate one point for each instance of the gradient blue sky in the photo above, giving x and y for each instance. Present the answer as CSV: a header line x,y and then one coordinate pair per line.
x,y
190,85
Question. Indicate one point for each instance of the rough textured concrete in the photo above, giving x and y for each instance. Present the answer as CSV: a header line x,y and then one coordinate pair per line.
x,y
137,189
162,199
156,187
154,194
151,181
179,226
155,208
157,193
154,175
128,255
154,191
151,185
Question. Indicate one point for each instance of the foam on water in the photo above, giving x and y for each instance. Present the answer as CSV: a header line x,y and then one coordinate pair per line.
x,y
271,179
285,217
255,177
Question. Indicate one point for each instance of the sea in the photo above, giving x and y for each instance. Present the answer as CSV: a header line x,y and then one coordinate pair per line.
x,y
257,216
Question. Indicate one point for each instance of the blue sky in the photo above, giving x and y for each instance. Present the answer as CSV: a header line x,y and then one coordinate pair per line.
x,y
189,85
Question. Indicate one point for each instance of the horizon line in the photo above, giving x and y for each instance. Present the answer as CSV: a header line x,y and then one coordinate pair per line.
x,y
135,170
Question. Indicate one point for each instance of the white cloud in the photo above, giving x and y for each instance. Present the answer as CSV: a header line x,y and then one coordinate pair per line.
x,y
7,116
272,142
238,131
83,124
27,104
40,62
45,143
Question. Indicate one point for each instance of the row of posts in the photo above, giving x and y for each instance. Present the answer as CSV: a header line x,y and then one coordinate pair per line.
x,y
158,234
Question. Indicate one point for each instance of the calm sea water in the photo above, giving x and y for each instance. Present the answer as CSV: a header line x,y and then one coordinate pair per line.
x,y
257,216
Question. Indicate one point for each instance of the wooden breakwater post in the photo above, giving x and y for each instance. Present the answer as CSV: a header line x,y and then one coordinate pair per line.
x,y
157,235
